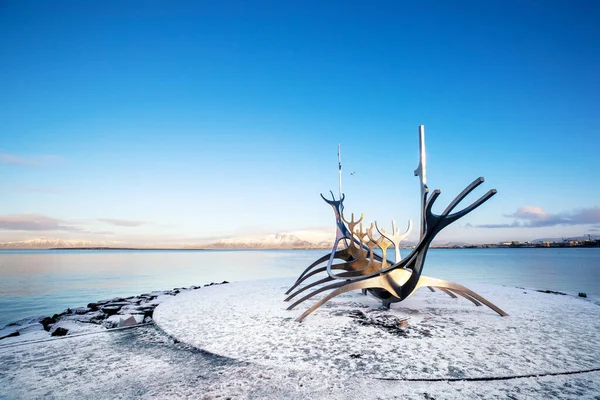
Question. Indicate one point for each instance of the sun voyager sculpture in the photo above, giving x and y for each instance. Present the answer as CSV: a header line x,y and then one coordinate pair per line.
x,y
362,268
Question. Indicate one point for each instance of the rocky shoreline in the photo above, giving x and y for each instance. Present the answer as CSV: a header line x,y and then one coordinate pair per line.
x,y
118,312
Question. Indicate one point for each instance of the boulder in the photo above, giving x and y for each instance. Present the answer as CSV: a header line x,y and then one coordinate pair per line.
x,y
581,294
60,331
130,320
127,322
98,318
46,322
93,317
111,309
148,311
112,321
15,333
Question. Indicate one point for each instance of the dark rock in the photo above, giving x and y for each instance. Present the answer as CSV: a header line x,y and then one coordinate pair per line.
x,y
581,294
551,291
148,311
224,282
111,309
60,331
93,306
81,310
15,333
97,319
118,303
46,322
355,355
57,316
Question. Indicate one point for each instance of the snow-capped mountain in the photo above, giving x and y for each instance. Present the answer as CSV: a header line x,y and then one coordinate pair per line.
x,y
48,243
275,241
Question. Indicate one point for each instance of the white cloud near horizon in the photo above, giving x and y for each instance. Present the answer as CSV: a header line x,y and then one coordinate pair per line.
x,y
122,222
34,222
537,217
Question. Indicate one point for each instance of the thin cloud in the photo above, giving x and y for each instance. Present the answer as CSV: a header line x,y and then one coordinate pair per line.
x,y
121,222
28,161
34,222
515,224
536,217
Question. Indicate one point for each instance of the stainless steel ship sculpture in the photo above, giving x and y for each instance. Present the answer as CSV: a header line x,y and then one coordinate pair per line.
x,y
362,268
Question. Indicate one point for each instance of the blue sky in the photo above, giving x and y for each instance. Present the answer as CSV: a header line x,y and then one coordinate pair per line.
x,y
150,122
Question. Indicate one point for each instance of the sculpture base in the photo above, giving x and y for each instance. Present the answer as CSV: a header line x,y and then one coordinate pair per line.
x,y
352,336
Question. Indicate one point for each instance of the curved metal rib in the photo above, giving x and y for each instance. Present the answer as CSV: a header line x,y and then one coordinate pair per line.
x,y
335,285
466,296
309,286
458,289
443,289
343,254
309,275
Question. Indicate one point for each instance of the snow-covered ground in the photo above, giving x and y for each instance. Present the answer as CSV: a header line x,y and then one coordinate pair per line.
x,y
340,351
444,337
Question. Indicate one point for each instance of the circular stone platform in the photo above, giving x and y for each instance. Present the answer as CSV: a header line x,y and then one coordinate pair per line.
x,y
444,338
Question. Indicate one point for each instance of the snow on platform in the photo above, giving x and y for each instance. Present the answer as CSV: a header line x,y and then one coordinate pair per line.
x,y
352,337
442,339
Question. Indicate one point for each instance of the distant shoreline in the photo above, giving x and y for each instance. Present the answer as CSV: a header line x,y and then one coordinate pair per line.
x,y
482,247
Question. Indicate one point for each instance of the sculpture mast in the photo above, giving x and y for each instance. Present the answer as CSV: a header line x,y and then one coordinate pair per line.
x,y
340,169
421,172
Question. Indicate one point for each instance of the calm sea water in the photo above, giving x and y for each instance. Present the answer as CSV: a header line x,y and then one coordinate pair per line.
x,y
45,282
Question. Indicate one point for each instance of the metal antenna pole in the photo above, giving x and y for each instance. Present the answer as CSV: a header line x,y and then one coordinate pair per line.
x,y
340,169
421,172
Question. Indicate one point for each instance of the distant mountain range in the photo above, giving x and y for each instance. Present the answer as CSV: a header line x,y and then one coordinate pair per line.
x,y
47,243
276,241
